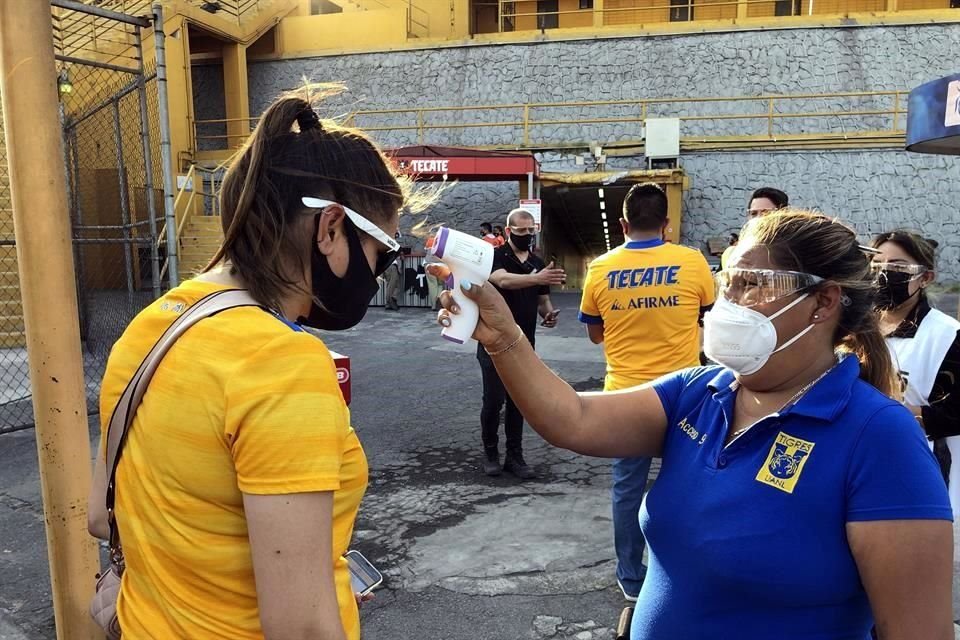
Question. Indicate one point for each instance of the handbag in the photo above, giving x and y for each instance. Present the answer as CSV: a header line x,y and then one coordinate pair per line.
x,y
103,607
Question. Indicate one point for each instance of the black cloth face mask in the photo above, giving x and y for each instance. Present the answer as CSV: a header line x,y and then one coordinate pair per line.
x,y
344,301
894,289
522,243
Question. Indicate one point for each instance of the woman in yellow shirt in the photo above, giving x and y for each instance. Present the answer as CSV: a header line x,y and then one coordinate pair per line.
x,y
240,480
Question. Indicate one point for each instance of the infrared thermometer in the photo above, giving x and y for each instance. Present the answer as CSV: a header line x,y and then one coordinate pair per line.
x,y
468,258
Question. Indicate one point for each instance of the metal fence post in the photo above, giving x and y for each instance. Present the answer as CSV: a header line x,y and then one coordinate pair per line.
x,y
76,220
45,264
170,215
124,201
149,183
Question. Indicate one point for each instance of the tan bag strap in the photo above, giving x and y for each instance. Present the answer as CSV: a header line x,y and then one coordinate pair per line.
x,y
129,402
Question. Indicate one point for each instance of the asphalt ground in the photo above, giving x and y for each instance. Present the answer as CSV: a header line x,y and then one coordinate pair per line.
x,y
464,555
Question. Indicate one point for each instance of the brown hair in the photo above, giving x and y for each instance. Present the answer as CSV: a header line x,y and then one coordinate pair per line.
x,y
267,238
813,243
923,250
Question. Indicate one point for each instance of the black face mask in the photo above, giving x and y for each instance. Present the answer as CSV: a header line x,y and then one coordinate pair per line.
x,y
522,243
894,289
345,300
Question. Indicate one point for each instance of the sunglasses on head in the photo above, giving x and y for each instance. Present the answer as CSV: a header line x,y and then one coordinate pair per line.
x,y
384,259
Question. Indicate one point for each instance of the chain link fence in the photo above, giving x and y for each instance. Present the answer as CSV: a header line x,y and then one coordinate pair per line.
x,y
110,119
15,408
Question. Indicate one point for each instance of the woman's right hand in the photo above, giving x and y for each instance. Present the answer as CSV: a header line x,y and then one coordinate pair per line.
x,y
496,328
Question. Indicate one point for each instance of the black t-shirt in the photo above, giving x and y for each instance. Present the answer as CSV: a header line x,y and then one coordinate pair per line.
x,y
525,302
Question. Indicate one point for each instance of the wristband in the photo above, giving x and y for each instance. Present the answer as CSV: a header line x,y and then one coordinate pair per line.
x,y
509,347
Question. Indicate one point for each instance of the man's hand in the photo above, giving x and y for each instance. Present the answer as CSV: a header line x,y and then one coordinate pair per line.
x,y
550,275
550,318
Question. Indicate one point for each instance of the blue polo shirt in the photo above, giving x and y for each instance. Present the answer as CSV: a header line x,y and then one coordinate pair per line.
x,y
749,541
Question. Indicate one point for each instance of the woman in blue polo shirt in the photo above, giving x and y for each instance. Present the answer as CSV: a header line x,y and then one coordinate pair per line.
x,y
795,499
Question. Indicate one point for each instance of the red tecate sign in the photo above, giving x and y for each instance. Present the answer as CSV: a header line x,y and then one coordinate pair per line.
x,y
465,168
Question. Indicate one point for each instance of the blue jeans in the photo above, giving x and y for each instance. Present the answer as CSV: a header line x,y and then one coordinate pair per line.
x,y
629,485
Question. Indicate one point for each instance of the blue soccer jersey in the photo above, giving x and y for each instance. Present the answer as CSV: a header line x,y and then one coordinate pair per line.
x,y
748,541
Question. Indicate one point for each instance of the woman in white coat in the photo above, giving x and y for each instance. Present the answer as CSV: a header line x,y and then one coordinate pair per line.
x,y
924,343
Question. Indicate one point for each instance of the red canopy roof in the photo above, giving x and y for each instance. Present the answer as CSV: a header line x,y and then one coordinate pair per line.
x,y
430,163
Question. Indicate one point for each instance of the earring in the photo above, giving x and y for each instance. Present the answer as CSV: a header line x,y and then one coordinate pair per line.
x,y
816,316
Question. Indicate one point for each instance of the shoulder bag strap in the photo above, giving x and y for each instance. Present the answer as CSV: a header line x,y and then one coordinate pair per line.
x,y
126,408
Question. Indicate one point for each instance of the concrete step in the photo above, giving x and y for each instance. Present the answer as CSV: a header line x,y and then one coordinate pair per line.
x,y
213,235
195,258
197,252
201,232
200,241
206,221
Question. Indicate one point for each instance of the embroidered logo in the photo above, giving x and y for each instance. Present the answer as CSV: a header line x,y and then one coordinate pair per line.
x,y
785,462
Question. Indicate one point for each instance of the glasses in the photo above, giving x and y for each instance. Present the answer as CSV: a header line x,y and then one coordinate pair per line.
x,y
898,267
750,287
384,260
523,231
753,213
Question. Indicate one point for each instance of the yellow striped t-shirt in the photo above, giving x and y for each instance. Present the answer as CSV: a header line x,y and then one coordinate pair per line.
x,y
241,403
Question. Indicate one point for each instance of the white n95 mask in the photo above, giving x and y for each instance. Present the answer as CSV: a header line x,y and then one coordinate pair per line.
x,y
742,339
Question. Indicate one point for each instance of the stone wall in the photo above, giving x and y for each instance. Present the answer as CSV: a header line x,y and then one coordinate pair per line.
x,y
734,64
873,189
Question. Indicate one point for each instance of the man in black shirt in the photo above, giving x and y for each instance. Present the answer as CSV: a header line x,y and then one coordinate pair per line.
x,y
524,281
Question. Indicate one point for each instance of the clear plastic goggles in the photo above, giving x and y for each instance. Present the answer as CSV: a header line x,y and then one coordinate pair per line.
x,y
898,267
750,287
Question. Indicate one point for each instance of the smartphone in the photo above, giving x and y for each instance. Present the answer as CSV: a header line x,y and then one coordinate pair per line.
x,y
556,312
364,577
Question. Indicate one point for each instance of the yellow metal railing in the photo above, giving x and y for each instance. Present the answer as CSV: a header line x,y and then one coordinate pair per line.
x,y
493,16
418,21
847,117
190,198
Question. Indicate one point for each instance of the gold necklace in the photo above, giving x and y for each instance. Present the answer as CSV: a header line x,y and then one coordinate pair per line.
x,y
792,401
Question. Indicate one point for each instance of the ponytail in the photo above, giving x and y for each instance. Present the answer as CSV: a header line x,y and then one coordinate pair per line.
x,y
876,365
267,231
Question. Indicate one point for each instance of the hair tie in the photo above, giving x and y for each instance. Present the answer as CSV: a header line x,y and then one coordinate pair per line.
x,y
307,119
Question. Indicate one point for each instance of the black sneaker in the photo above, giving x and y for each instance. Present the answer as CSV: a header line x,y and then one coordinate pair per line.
x,y
491,463
516,465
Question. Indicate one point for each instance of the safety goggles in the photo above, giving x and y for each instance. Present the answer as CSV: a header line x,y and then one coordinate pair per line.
x,y
384,260
898,267
750,287
523,231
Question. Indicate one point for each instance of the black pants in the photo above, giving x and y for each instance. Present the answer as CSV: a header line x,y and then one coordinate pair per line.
x,y
494,396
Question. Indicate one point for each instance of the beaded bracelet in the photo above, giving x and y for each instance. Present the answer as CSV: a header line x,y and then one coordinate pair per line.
x,y
509,347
